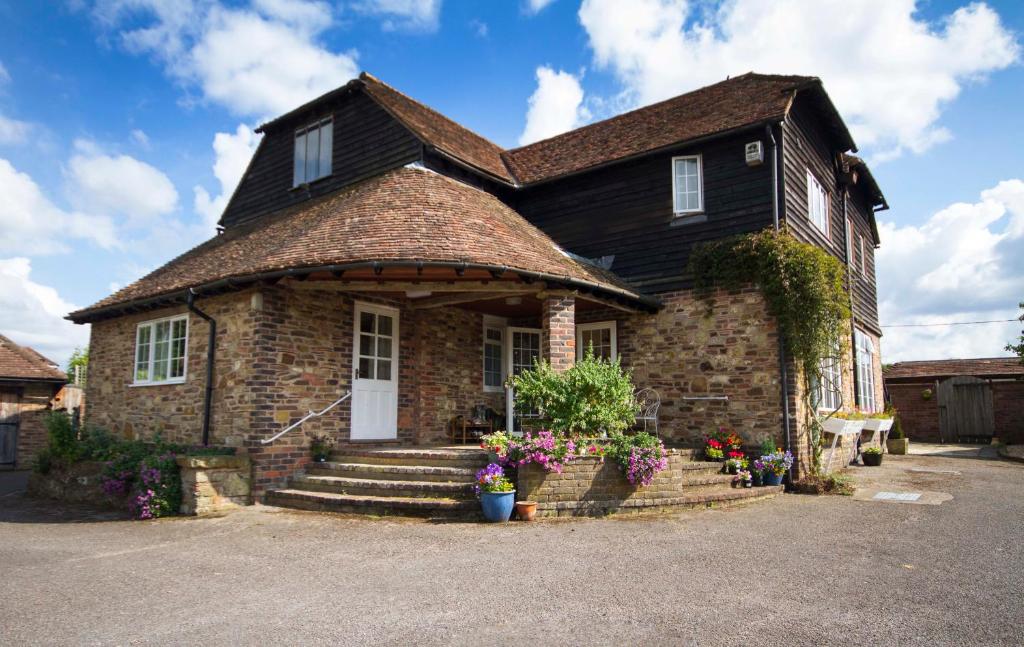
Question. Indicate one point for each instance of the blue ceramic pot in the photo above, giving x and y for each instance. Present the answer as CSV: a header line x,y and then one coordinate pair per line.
x,y
771,478
497,506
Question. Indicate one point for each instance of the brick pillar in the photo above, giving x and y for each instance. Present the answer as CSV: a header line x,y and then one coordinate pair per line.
x,y
558,331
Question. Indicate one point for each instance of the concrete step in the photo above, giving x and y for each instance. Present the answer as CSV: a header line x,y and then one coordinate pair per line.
x,y
393,472
383,488
698,479
442,508
430,457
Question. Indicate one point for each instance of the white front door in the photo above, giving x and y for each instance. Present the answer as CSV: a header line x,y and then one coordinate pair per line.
x,y
375,373
523,351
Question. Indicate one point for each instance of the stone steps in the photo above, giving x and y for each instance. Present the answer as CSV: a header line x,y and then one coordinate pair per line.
x,y
442,508
711,498
423,457
384,487
391,472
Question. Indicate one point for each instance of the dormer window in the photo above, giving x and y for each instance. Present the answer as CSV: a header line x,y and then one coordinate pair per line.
x,y
688,194
313,146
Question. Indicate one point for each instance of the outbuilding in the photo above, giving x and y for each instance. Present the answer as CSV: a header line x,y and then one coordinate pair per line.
x,y
28,384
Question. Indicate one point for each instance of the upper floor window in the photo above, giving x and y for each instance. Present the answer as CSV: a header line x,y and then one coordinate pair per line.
x,y
865,373
597,337
817,203
687,184
313,146
849,242
160,350
863,257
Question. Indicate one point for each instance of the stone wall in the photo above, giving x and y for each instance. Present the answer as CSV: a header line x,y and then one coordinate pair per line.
x,y
33,406
683,351
212,485
78,483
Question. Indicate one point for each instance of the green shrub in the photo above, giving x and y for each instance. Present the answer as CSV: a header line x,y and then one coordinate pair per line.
x,y
98,444
592,396
62,440
42,462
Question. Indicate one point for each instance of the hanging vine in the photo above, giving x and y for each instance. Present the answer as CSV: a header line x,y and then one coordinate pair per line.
x,y
803,286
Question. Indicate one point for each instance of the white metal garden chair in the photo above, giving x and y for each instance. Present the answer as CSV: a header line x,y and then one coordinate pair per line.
x,y
650,403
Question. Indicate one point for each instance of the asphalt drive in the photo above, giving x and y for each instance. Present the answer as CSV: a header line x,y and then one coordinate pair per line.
x,y
797,570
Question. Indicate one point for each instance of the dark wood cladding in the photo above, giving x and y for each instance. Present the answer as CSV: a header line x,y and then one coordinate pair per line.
x,y
805,147
626,210
367,142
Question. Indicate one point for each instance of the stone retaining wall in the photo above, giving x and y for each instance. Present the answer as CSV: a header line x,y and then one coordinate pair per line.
x,y
212,485
78,483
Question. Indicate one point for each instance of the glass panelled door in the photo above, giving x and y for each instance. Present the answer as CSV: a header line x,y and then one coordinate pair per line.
x,y
375,373
523,351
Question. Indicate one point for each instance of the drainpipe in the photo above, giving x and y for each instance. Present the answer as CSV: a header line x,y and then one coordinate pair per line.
x,y
783,370
211,354
849,288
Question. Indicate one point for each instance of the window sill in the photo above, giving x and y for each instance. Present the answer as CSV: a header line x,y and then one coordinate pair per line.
x,y
680,218
164,383
494,389
311,183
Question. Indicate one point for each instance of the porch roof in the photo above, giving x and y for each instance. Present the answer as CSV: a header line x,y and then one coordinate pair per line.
x,y
409,218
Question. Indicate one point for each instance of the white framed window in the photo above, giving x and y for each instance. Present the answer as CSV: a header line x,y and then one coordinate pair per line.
x,y
830,387
494,354
687,184
600,336
849,242
817,203
313,146
863,257
160,351
865,372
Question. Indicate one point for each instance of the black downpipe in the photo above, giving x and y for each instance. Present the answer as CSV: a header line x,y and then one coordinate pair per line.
x,y
783,370
211,355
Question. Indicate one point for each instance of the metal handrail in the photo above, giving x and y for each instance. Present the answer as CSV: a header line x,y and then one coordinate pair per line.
x,y
311,414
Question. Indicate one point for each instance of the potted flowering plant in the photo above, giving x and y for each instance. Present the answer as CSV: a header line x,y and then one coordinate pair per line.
x,y
736,462
497,493
713,450
774,466
320,446
743,478
872,456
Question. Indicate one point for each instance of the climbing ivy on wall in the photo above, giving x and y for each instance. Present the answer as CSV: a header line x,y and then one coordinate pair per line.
x,y
804,289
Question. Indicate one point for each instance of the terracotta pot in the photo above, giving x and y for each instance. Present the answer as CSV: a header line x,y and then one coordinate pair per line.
x,y
526,510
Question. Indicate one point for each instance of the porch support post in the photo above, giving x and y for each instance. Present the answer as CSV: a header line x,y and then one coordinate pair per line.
x,y
558,331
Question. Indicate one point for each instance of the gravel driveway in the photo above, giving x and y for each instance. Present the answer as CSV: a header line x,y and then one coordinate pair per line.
x,y
797,570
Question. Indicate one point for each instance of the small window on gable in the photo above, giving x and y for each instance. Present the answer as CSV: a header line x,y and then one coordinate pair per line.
x,y
687,181
494,353
599,337
817,203
313,147
160,351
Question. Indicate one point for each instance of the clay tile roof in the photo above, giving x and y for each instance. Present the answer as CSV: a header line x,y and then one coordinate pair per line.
x,y
23,363
942,368
734,103
407,214
437,130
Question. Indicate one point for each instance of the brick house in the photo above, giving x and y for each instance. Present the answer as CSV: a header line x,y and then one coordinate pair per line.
x,y
28,383
377,247
959,399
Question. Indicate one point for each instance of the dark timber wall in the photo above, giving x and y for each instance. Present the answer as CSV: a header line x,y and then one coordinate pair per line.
x,y
805,148
626,210
367,142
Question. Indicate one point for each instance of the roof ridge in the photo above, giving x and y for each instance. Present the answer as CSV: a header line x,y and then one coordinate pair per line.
x,y
676,97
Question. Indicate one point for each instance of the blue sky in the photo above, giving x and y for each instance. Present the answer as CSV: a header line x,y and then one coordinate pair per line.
x,y
115,115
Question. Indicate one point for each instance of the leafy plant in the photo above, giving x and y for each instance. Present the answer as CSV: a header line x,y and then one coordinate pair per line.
x,y
768,446
157,491
544,448
79,359
1018,348
873,451
592,396
714,450
42,463
640,456
62,439
320,445
896,433
492,479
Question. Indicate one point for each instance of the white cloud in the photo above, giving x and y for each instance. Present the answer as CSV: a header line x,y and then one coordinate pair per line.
x,y
120,185
33,314
13,131
261,60
31,224
141,138
403,15
889,72
233,152
4,75
479,28
965,263
555,106
534,7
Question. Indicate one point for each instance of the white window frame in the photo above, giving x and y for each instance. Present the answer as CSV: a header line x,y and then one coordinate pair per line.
x,y
831,371
817,189
849,242
499,324
865,359
700,186
151,324
597,325
317,125
863,257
